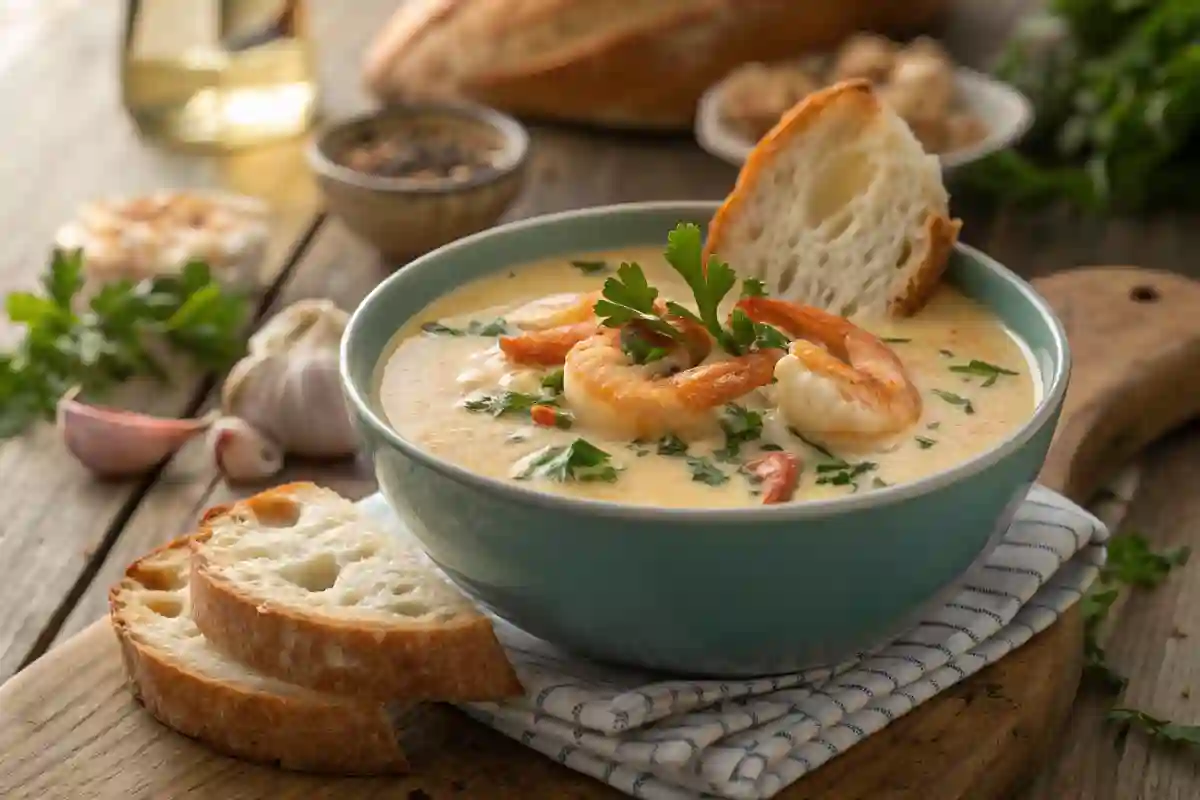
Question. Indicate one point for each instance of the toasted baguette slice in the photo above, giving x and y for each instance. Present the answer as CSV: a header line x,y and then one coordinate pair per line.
x,y
299,583
839,207
192,687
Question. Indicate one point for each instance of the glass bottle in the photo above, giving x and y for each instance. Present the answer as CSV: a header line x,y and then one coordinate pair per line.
x,y
218,74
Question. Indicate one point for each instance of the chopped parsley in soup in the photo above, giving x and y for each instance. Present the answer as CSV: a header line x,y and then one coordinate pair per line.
x,y
640,376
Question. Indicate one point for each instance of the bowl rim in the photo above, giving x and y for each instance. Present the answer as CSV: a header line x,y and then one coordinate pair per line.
x,y
515,152
1045,411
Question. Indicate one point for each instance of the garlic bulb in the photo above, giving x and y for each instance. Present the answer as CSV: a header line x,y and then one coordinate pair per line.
x,y
242,453
288,386
114,443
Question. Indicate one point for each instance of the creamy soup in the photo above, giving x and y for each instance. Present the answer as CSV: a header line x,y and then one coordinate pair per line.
x,y
447,386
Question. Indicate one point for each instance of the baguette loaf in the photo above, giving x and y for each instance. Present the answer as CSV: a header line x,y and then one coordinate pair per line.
x,y
299,584
192,687
839,207
622,63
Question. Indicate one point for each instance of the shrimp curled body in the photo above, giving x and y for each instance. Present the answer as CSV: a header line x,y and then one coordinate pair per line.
x,y
609,393
837,382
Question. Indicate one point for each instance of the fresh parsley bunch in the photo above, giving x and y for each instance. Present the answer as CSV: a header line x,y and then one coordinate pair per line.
x,y
629,300
1117,109
114,338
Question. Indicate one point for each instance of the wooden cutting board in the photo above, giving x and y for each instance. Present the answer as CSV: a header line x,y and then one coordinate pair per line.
x,y
68,728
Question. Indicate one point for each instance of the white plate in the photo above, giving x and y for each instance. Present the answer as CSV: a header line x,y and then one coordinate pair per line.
x,y
1004,111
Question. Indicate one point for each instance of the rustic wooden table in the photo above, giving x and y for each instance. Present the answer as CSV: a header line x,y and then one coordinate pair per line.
x,y
65,537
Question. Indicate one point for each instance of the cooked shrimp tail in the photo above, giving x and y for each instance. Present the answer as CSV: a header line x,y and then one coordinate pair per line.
x,y
554,310
838,382
547,347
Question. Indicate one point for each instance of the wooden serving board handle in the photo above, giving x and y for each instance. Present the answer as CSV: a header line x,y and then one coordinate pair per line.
x,y
67,723
1134,336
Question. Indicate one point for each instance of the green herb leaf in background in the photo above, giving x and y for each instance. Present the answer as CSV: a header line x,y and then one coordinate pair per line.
x,y
114,337
1158,729
1116,90
1130,562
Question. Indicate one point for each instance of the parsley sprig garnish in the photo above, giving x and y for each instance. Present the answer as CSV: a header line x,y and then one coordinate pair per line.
x,y
579,461
114,338
628,298
710,283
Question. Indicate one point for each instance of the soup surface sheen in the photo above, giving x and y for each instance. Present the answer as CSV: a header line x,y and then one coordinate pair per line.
x,y
447,361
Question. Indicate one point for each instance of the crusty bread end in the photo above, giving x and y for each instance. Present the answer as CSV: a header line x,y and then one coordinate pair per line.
x,y
193,688
839,207
300,584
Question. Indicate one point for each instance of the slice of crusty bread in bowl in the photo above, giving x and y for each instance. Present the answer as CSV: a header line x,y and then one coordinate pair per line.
x,y
839,207
299,583
192,687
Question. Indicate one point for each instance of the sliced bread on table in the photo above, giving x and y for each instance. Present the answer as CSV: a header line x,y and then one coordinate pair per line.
x,y
839,207
192,687
299,583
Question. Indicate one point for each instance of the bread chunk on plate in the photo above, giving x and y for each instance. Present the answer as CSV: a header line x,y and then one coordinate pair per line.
x,y
300,584
192,687
839,207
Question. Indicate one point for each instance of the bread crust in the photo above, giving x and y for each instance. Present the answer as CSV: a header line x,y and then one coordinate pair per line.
x,y
941,232
648,76
460,661
308,734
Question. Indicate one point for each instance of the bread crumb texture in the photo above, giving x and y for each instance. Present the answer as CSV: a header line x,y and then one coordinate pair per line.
x,y
154,603
315,550
834,208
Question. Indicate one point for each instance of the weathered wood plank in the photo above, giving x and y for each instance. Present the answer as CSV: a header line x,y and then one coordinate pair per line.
x,y
1152,642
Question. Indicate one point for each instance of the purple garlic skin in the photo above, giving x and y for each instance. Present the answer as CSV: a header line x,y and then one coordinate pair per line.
x,y
113,443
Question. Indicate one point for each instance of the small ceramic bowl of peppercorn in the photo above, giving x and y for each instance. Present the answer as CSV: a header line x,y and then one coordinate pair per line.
x,y
410,178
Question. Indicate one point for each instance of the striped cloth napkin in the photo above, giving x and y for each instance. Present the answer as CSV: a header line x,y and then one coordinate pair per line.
x,y
748,739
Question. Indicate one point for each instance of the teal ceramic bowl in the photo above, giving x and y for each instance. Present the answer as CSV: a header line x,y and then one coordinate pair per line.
x,y
702,592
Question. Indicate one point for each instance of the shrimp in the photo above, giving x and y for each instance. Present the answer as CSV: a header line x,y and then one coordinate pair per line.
x,y
554,310
548,346
551,326
609,393
837,382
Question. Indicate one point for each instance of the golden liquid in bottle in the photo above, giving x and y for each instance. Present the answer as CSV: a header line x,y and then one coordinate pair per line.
x,y
218,74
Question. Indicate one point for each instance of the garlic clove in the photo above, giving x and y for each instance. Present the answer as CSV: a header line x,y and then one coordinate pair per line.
x,y
115,443
241,452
